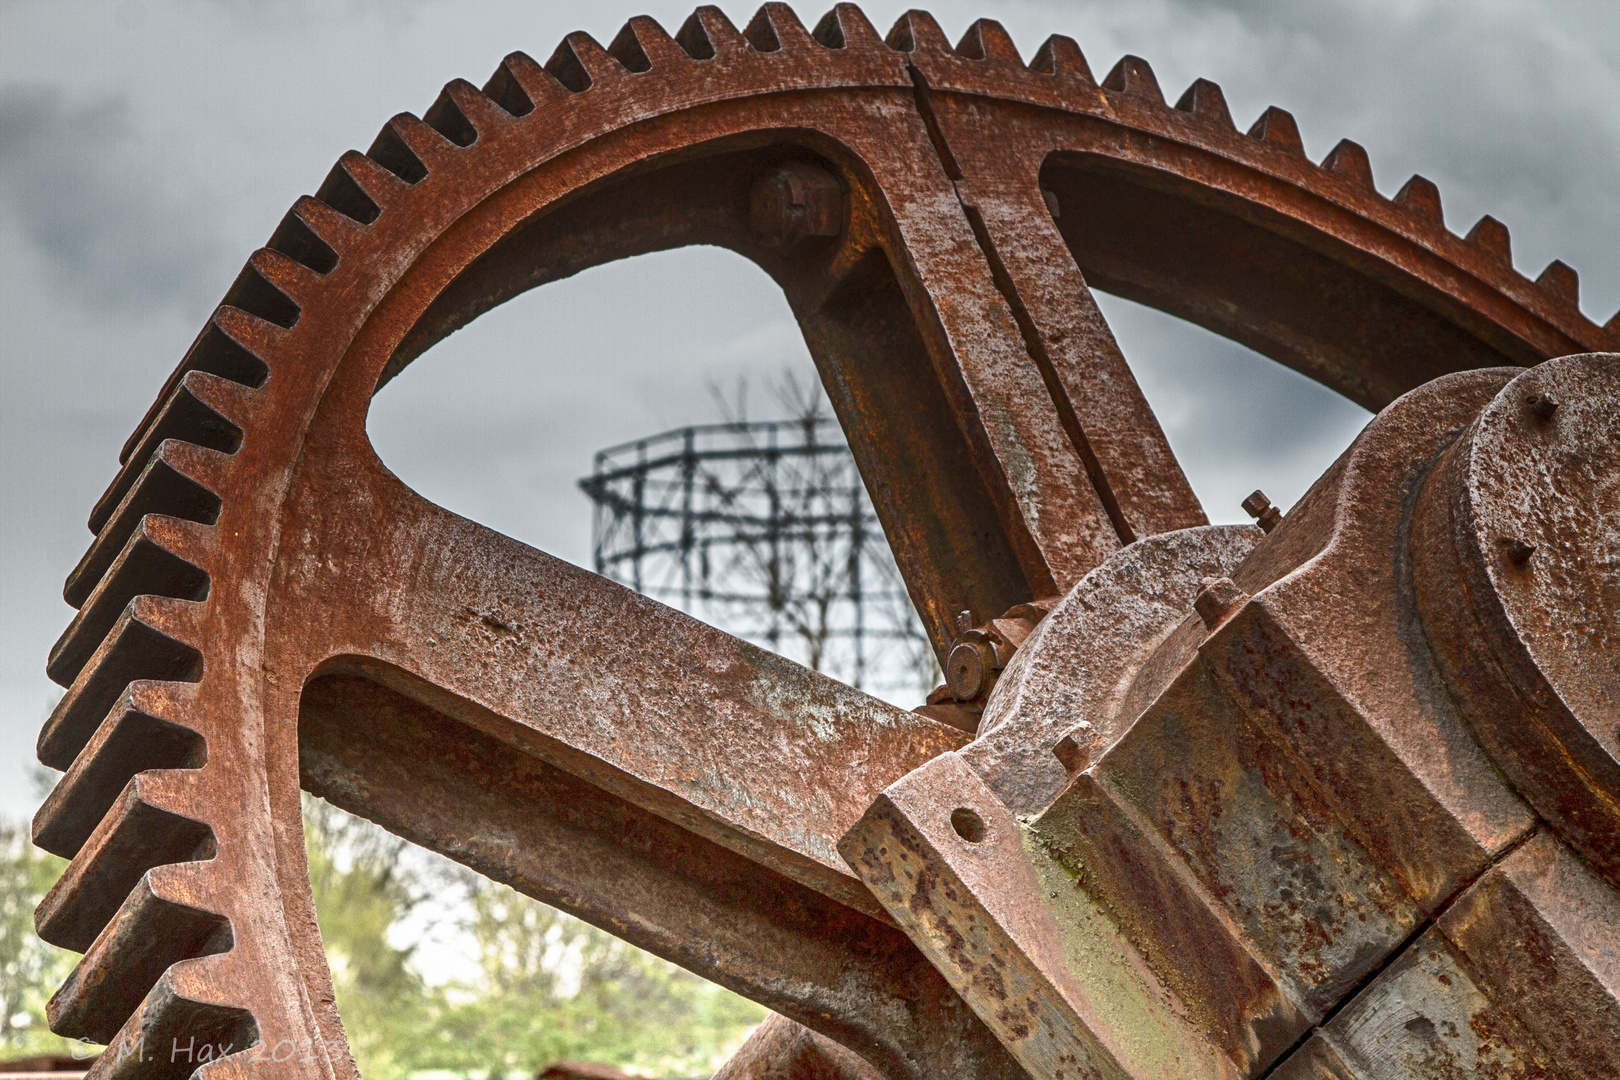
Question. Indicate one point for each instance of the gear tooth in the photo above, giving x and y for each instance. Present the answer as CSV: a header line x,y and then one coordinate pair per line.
x,y
233,345
987,39
627,49
461,113
376,184
259,289
1277,127
201,409
775,27
177,482
1420,198
707,32
580,62
297,239
137,736
334,230
760,34
828,34
1612,327
846,27
344,194
1491,237
1205,100
916,31
1560,282
1133,75
152,641
1349,160
1059,55
642,44
166,1017
521,85
405,146
137,834
505,91
161,558
236,345
295,282
149,933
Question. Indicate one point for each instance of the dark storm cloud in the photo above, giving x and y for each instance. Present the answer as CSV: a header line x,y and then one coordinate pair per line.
x,y
109,234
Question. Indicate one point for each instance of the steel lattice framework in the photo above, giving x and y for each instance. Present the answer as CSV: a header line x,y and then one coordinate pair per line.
x,y
763,528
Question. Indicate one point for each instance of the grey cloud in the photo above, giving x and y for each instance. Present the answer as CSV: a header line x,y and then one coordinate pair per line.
x,y
109,231
1510,107
1235,419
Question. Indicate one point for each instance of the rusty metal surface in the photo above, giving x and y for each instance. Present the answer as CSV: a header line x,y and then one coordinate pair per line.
x,y
1053,980
1517,979
1072,677
1284,806
557,837
779,1049
265,606
1517,544
580,1070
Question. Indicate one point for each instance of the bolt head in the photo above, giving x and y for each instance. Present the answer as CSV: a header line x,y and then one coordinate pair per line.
x,y
1073,750
967,669
1219,597
1256,504
793,203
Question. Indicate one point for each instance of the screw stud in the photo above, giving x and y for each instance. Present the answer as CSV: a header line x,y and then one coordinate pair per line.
x,y
1259,507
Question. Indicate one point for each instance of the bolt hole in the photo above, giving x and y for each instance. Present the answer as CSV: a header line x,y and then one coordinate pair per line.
x,y
968,825
1518,553
1541,407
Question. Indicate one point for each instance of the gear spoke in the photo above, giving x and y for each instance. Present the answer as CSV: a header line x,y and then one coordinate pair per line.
x,y
573,845
994,155
721,737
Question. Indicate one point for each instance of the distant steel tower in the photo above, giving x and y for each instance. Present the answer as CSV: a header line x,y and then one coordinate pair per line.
x,y
765,530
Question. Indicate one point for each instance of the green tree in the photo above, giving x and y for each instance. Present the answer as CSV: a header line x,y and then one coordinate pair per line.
x,y
549,986
362,890
555,988
30,970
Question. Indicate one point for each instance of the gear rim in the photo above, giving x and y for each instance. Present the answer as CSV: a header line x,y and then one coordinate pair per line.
x,y
144,587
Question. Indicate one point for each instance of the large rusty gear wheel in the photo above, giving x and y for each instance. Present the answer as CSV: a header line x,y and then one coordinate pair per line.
x,y
266,607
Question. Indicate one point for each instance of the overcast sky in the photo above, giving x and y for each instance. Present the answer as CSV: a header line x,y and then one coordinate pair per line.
x,y
146,148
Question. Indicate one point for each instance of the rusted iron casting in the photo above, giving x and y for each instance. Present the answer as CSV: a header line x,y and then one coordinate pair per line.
x,y
1332,797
